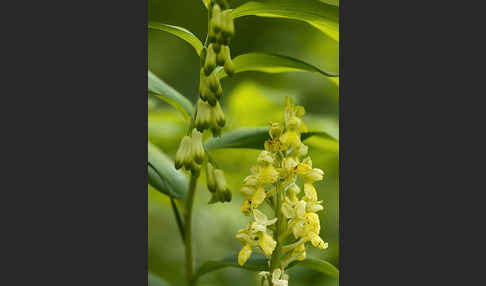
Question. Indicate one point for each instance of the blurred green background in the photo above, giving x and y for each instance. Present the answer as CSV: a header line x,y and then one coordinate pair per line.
x,y
250,99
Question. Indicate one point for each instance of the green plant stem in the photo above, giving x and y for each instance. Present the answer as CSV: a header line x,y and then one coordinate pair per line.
x,y
275,259
188,232
178,218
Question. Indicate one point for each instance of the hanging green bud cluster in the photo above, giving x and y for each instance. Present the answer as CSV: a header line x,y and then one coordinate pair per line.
x,y
221,29
217,185
190,154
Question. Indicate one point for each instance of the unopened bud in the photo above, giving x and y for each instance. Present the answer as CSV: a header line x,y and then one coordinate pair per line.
x,y
217,115
182,152
275,130
211,183
210,62
221,185
222,55
203,115
213,82
197,147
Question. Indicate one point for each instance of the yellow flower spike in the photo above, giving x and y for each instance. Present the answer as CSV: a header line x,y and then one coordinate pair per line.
x,y
244,254
268,175
258,197
267,243
300,209
310,192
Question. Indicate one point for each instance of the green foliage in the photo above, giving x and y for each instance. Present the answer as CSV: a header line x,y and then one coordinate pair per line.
x,y
154,280
317,265
272,63
170,95
323,16
163,176
252,138
179,32
256,263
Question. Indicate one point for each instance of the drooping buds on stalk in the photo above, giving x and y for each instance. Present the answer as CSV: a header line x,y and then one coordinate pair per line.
x,y
190,153
221,192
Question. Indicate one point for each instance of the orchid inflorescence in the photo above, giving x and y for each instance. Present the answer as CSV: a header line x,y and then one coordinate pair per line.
x,y
274,180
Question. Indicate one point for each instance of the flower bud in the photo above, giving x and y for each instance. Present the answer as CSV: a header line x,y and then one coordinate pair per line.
x,y
219,92
310,192
195,169
275,130
216,131
216,18
221,185
228,26
299,111
182,152
203,115
249,191
211,182
217,115
229,67
213,82
197,147
222,55
210,62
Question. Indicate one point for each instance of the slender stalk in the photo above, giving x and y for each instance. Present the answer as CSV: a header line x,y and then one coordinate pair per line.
x,y
275,259
188,232
178,218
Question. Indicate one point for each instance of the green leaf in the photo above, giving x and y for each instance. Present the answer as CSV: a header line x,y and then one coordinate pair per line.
x,y
331,2
317,265
321,15
255,263
165,92
163,176
272,63
252,138
182,33
154,280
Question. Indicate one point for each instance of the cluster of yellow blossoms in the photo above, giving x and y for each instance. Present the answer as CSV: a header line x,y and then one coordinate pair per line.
x,y
221,29
274,181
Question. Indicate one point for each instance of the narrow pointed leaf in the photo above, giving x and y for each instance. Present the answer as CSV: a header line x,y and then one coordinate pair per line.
x,y
182,33
317,265
255,263
252,138
272,63
331,2
163,176
323,16
165,92
154,280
